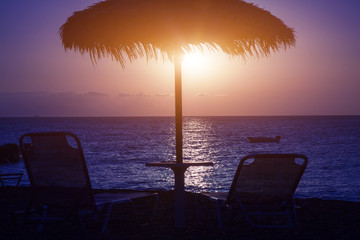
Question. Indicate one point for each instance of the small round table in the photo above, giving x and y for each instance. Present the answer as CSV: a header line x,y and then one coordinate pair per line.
x,y
179,171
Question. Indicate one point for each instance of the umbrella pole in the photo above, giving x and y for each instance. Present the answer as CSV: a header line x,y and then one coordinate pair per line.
x,y
178,110
179,167
179,171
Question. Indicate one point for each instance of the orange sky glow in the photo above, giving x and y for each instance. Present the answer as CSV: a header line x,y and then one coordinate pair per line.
x,y
319,76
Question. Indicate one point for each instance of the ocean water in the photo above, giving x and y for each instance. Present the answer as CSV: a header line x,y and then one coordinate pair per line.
x,y
116,149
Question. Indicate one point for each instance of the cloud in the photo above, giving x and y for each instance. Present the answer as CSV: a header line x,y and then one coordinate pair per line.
x,y
58,104
142,94
162,95
211,95
95,94
124,95
21,94
50,103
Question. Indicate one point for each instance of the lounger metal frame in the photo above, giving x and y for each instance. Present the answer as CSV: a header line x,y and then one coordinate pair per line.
x,y
83,201
234,199
5,177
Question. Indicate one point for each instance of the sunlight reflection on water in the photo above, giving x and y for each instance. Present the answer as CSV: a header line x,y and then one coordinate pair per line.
x,y
116,149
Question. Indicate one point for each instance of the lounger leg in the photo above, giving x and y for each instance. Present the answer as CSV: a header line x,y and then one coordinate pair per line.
x,y
107,217
244,213
207,212
155,207
219,214
197,208
82,224
293,212
18,181
231,219
45,209
290,219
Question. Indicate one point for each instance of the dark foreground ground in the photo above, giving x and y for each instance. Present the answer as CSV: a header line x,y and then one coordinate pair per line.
x,y
319,219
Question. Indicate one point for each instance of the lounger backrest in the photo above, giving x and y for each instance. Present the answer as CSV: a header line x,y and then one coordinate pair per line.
x,y
267,177
57,170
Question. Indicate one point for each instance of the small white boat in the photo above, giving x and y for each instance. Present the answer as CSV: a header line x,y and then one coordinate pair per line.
x,y
264,139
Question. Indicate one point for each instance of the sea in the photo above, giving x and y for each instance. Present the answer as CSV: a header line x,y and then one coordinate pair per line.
x,y
117,148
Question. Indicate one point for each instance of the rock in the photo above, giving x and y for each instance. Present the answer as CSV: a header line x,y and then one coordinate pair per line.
x,y
9,153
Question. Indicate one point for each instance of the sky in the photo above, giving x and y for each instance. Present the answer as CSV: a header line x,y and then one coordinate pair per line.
x,y
319,76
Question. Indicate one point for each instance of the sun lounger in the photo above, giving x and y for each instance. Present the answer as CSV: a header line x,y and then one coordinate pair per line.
x,y
263,189
59,179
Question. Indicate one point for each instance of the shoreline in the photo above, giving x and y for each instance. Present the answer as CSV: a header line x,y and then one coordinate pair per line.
x,y
318,219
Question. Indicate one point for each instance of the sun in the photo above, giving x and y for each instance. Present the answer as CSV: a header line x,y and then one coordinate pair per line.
x,y
204,72
196,61
194,58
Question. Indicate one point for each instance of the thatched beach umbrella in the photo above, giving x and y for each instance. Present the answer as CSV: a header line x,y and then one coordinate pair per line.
x,y
166,29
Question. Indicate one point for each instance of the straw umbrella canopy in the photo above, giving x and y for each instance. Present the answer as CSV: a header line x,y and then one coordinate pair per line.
x,y
130,29
166,29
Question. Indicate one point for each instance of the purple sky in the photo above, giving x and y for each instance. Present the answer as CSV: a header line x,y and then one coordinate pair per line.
x,y
320,76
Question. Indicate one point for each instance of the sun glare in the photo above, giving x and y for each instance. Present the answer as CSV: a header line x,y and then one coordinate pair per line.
x,y
196,61
202,71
